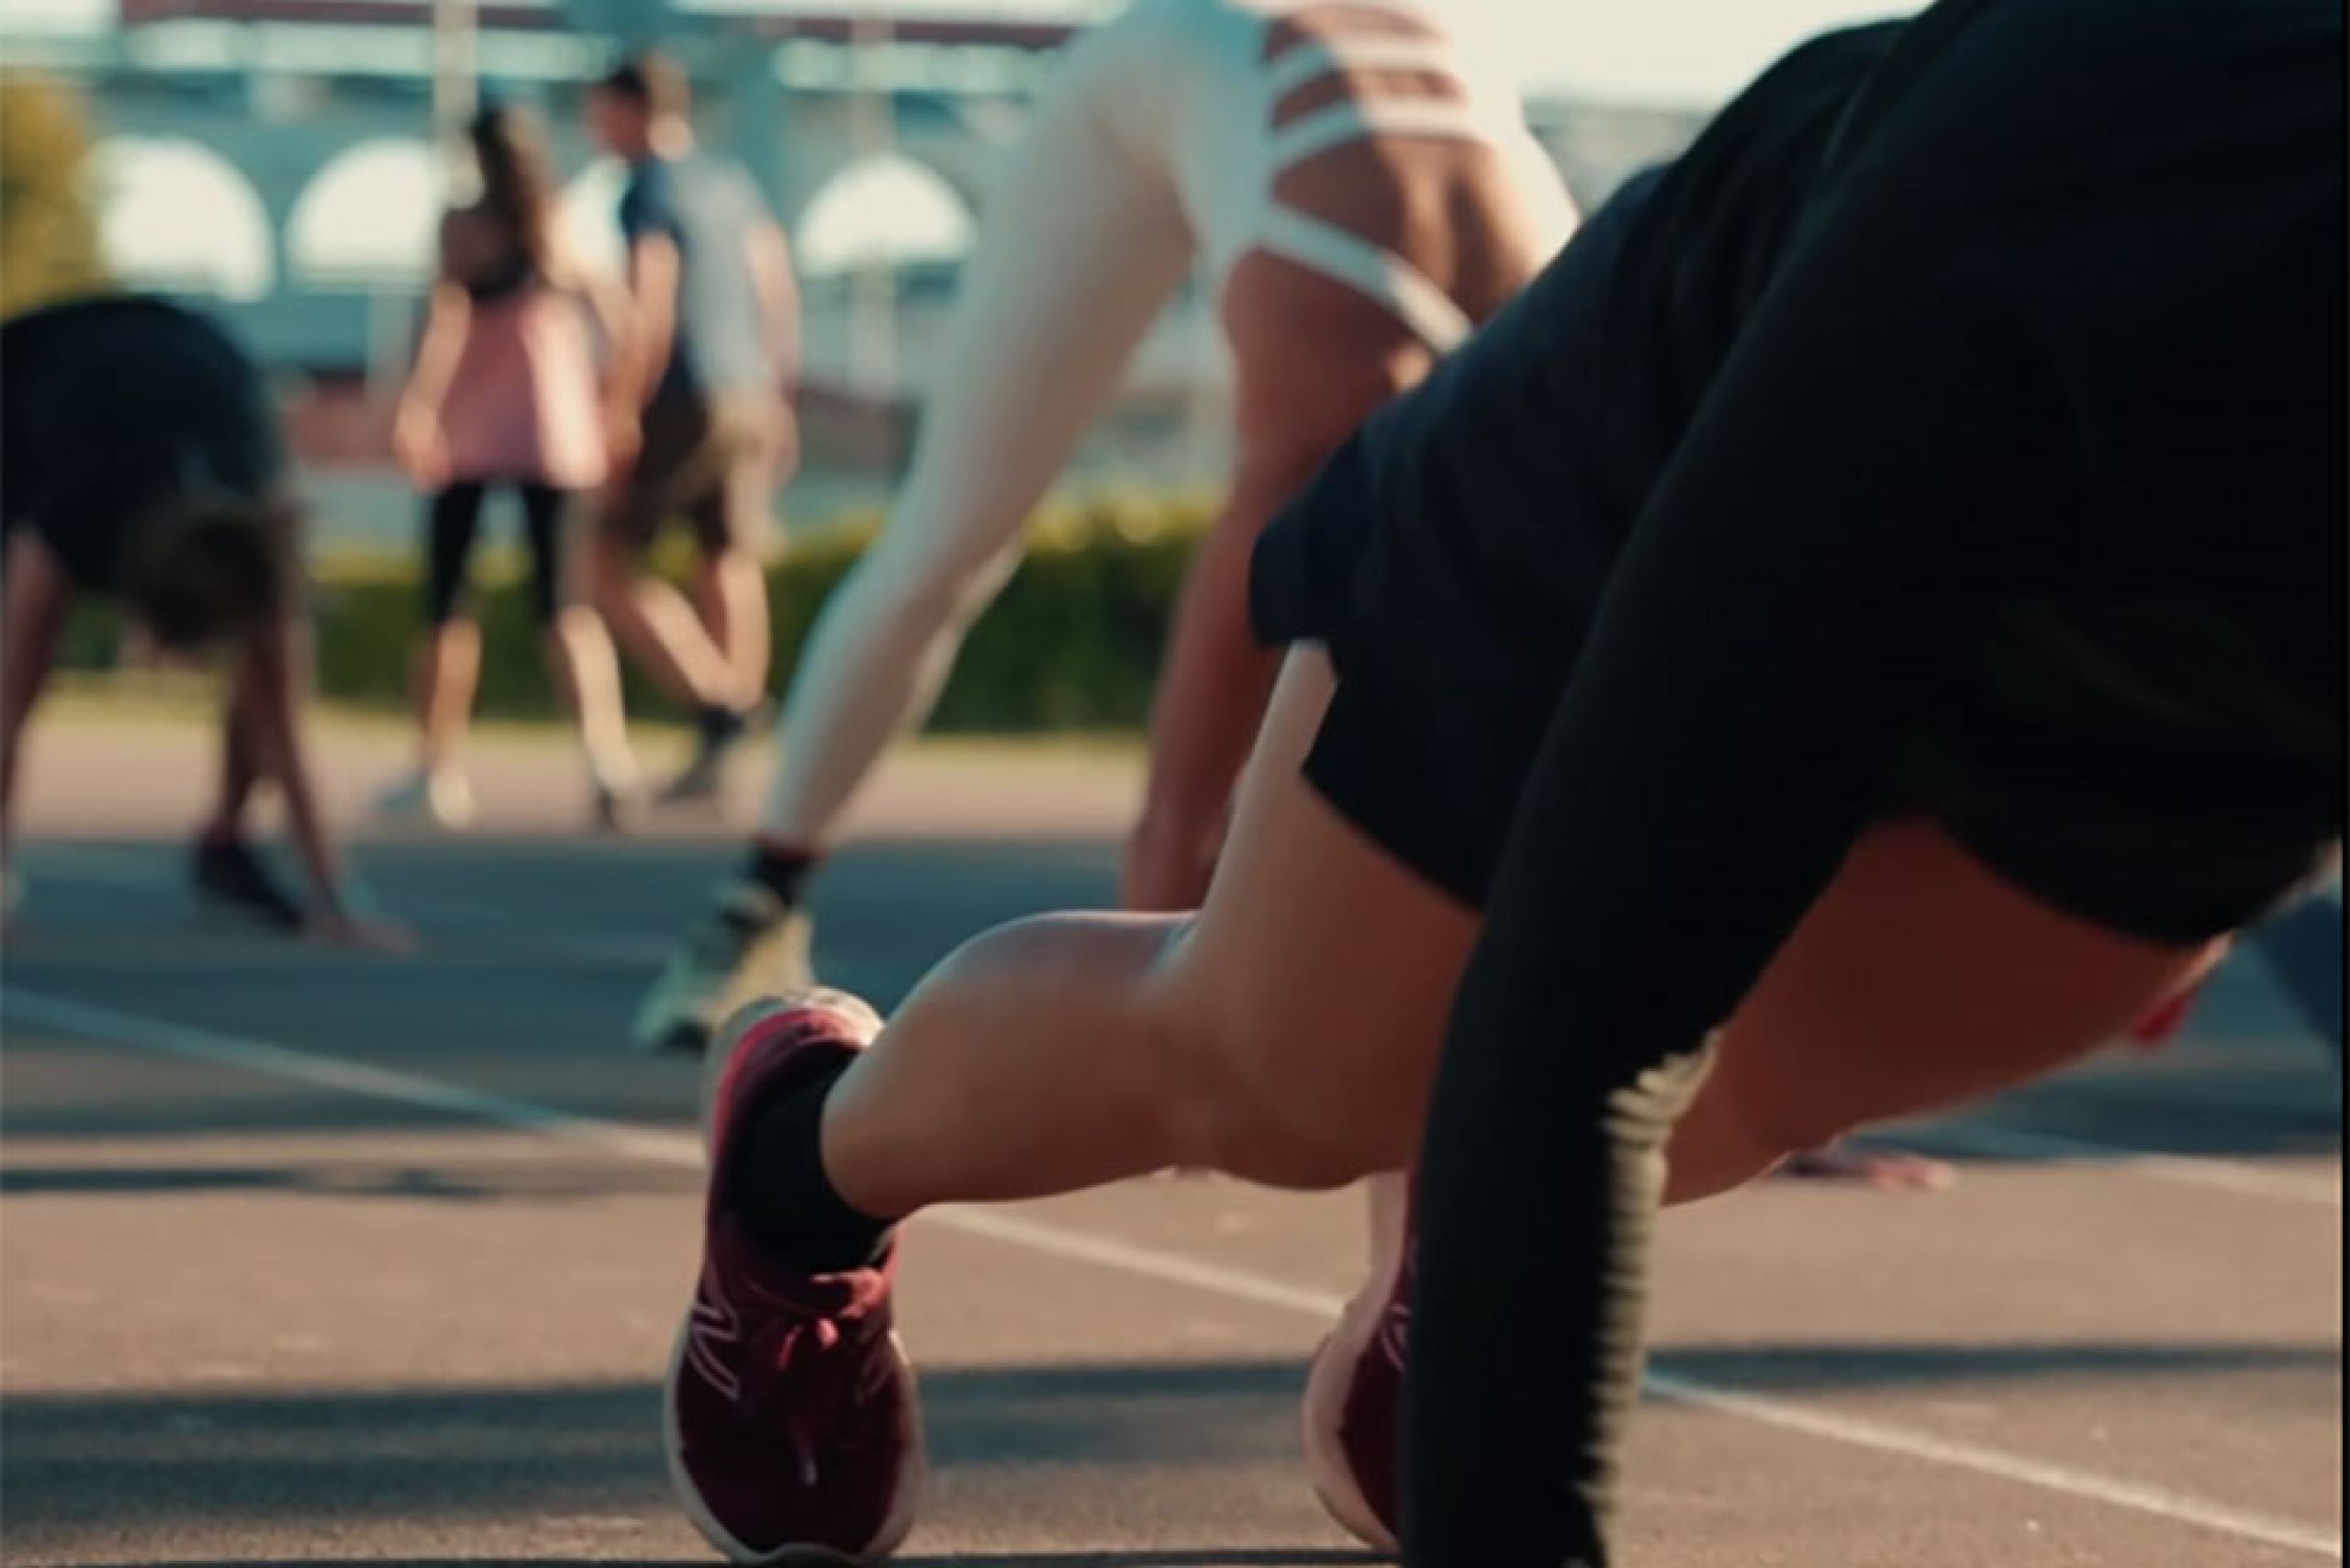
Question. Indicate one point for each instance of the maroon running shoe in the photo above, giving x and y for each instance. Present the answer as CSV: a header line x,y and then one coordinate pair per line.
x,y
791,1425
1354,1397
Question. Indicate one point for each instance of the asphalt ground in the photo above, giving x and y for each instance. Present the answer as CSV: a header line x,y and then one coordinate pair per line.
x,y
314,1258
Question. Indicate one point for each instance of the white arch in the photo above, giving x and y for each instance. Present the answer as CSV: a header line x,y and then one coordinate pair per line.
x,y
369,217
885,209
174,215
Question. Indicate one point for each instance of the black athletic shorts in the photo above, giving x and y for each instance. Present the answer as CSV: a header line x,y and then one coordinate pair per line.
x,y
117,406
2148,731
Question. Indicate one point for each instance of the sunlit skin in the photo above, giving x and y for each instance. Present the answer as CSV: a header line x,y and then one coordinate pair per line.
x,y
1311,358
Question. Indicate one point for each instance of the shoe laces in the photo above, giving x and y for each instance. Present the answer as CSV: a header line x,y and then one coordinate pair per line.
x,y
822,1396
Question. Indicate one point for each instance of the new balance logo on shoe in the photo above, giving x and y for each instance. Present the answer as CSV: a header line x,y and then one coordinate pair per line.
x,y
712,1330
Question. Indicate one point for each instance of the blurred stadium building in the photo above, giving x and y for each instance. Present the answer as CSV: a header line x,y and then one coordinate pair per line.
x,y
276,158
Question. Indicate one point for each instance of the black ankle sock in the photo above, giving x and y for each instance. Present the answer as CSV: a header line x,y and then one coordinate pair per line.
x,y
781,871
717,723
788,1204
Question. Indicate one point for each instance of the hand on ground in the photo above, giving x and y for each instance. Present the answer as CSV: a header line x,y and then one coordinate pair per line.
x,y
1886,1170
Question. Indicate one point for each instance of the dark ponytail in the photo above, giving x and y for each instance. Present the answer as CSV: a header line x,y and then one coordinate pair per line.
x,y
517,181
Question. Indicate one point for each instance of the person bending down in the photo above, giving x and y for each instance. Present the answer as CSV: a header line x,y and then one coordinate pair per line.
x,y
1359,196
1855,632
140,458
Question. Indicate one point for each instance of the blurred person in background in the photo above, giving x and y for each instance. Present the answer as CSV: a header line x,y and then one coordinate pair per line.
x,y
140,458
710,276
506,392
1360,194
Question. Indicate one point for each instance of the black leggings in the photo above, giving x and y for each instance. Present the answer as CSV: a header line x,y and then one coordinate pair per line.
x,y
455,518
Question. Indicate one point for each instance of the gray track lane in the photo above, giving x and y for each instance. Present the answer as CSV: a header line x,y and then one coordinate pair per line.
x,y
249,1317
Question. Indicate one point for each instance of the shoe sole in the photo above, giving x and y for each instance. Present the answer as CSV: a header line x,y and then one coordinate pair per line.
x,y
410,811
901,1521
1327,1386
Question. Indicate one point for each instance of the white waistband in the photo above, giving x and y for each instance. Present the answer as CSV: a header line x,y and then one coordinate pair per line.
x,y
1293,68
1351,120
1371,270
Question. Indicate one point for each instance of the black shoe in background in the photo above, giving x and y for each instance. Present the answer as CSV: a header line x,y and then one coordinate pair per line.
x,y
229,876
718,731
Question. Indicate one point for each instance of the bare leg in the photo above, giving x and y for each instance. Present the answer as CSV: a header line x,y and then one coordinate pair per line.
x,y
587,673
1073,1049
1211,697
1069,1050
1918,980
731,591
580,656
448,668
1312,357
226,870
659,628
1288,1032
243,763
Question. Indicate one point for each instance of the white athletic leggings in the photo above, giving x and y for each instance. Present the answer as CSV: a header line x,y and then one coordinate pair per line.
x,y
1077,251
1081,243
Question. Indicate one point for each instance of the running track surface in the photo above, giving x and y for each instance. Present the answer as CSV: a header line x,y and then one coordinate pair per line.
x,y
313,1258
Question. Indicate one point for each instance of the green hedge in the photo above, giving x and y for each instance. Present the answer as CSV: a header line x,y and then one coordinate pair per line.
x,y
1073,643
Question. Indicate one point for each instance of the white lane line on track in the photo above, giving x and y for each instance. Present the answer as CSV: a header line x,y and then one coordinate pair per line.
x,y
1988,1139
1884,1437
126,867
654,1146
98,866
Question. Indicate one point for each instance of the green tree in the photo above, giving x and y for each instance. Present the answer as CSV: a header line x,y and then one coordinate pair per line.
x,y
48,236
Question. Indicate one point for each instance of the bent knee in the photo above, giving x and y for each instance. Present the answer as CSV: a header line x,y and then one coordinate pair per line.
x,y
1736,1128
